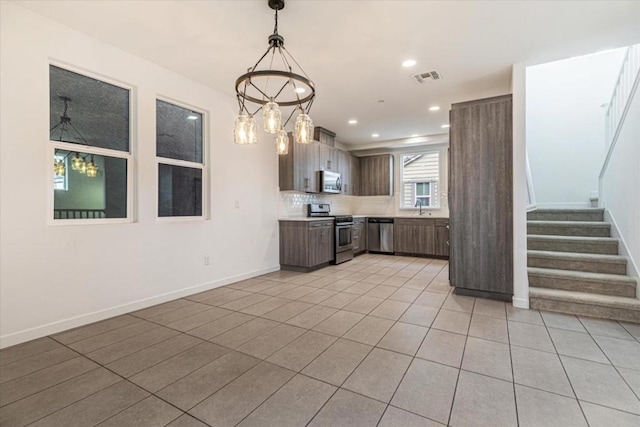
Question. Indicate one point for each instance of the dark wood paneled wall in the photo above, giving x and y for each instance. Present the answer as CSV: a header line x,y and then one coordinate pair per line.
x,y
481,191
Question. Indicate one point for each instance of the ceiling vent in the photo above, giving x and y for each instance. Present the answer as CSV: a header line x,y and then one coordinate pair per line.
x,y
429,75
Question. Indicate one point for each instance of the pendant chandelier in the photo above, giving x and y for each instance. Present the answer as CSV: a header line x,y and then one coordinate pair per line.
x,y
279,85
78,162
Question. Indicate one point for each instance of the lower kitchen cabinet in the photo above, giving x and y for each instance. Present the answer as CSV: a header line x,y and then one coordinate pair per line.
x,y
417,236
359,235
442,237
306,245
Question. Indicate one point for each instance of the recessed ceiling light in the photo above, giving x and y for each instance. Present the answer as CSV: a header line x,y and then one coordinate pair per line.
x,y
353,121
409,63
434,108
375,135
300,90
192,117
445,126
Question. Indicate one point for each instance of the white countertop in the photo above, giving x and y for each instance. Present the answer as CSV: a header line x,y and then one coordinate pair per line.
x,y
307,219
304,218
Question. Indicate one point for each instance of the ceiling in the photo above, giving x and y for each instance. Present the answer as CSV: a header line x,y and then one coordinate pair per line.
x,y
353,50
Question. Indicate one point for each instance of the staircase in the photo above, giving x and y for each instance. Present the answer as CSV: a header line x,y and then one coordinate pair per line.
x,y
574,266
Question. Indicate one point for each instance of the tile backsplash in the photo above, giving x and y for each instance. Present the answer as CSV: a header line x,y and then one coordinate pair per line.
x,y
294,204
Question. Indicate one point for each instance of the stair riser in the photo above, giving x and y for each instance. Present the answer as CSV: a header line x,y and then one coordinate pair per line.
x,y
567,284
581,247
586,266
565,216
555,230
621,314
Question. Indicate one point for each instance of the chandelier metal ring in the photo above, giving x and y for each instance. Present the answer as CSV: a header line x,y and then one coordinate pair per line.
x,y
247,77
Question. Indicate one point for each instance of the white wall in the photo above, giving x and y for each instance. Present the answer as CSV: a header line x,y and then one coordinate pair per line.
x,y
117,267
565,126
620,181
520,191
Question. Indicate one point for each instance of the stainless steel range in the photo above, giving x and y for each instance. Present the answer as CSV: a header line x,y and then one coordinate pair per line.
x,y
343,226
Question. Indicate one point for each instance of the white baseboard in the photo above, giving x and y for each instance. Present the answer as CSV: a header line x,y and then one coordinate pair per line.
x,y
520,302
564,205
85,319
623,249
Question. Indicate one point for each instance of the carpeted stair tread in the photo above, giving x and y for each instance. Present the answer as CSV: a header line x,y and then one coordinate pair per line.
x,y
569,228
585,304
579,256
577,261
580,281
586,214
588,239
581,244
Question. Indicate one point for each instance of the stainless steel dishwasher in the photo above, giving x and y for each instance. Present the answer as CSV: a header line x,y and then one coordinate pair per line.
x,y
380,235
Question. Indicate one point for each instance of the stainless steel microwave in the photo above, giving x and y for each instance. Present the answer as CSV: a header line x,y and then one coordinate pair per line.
x,y
330,182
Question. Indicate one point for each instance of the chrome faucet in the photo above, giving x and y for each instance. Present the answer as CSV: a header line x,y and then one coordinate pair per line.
x,y
419,203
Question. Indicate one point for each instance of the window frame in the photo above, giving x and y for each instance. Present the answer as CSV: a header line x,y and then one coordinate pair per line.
x,y
433,198
204,166
428,196
52,145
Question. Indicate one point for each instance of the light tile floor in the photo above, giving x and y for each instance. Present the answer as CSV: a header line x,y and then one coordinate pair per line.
x,y
379,340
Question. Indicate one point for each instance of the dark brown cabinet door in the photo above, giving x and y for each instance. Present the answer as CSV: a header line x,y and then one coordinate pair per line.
x,y
298,169
426,238
309,167
359,236
344,168
294,243
320,243
404,237
327,158
376,175
442,241
354,185
415,236
481,224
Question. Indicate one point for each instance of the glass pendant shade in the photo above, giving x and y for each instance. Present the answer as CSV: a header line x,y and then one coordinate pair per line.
x,y
245,130
282,142
92,170
271,117
77,162
303,133
58,168
84,167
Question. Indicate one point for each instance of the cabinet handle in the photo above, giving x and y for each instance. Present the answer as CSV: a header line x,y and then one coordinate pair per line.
x,y
306,183
447,226
329,164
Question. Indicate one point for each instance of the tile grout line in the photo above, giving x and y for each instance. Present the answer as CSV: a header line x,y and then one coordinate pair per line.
x,y
610,361
513,376
91,394
342,383
136,385
564,369
455,389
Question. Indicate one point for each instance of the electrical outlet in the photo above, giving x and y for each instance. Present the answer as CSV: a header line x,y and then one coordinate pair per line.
x,y
237,204
207,261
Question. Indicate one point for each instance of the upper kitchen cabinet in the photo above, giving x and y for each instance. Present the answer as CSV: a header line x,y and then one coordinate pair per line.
x,y
480,204
376,175
298,169
348,168
324,136
354,185
328,158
